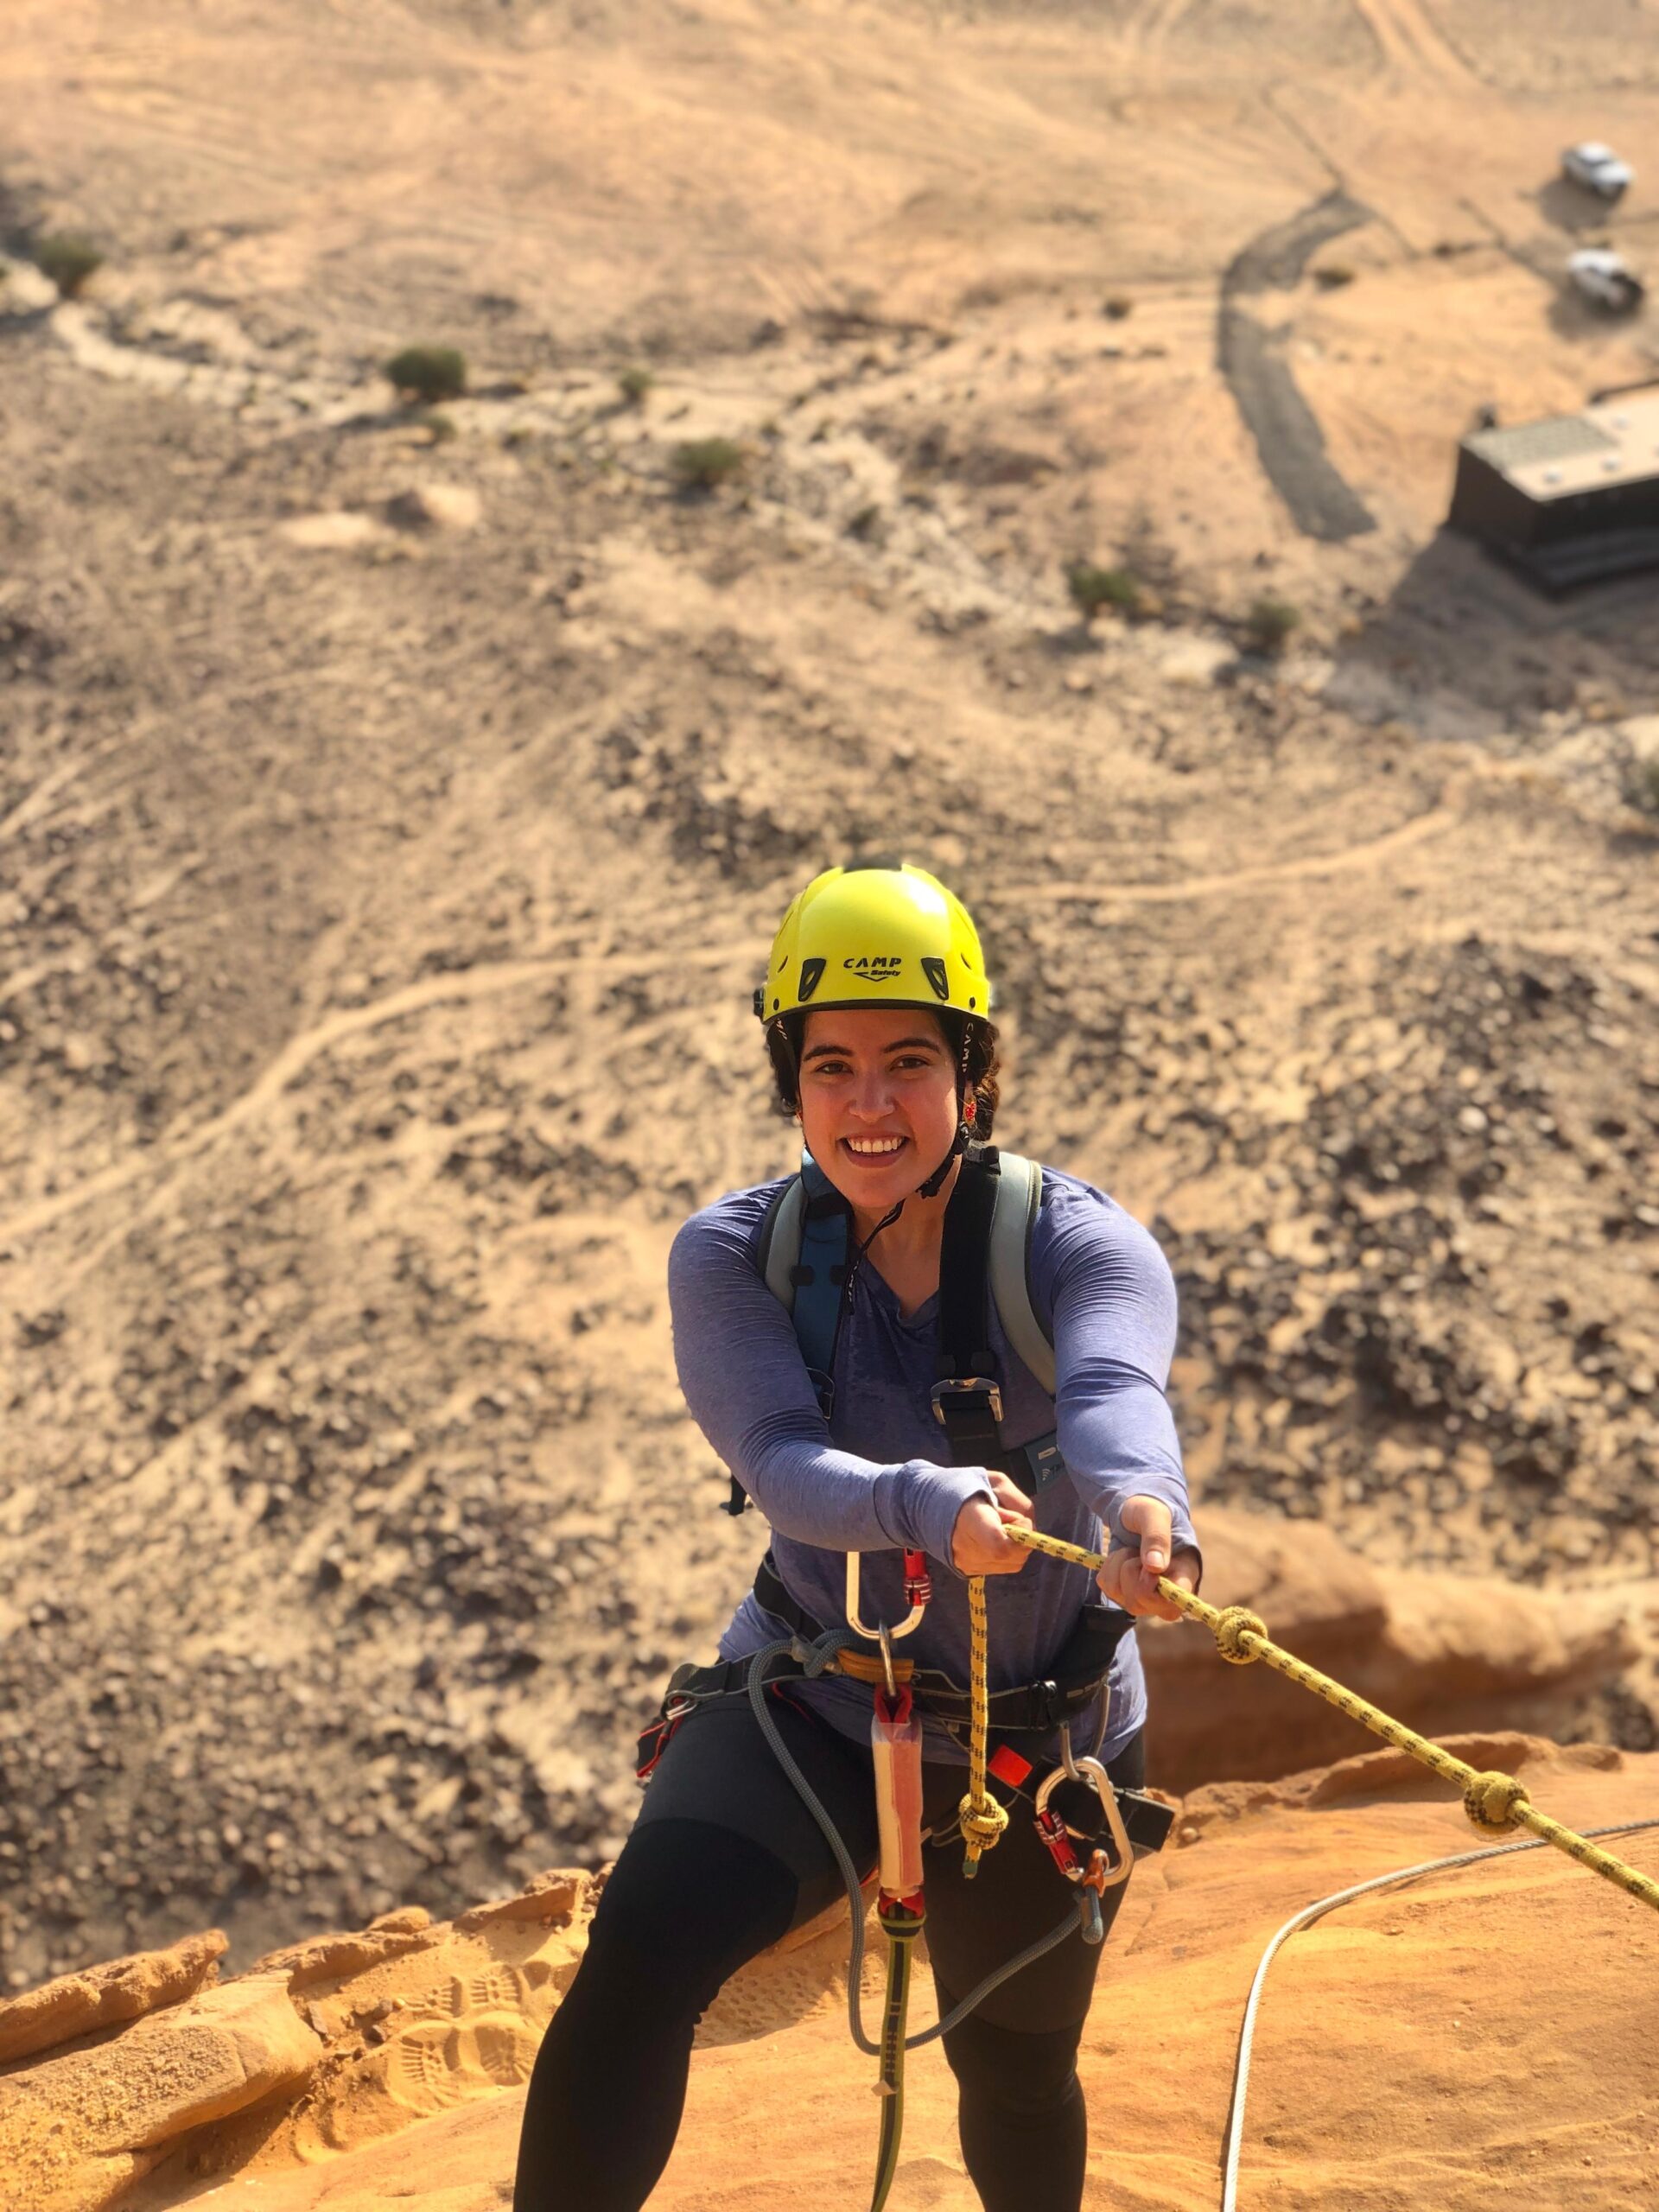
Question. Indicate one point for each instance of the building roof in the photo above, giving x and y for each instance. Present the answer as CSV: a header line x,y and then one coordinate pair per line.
x,y
1611,442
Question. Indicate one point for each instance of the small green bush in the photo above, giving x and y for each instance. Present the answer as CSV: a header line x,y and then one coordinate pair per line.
x,y
69,260
702,463
1270,622
633,385
1333,277
1092,588
1118,309
427,373
1641,786
441,426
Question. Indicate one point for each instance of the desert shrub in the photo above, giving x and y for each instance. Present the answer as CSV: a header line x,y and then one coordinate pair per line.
x,y
702,463
633,385
1333,276
427,373
1269,622
1640,784
1092,588
866,524
69,260
1118,308
441,426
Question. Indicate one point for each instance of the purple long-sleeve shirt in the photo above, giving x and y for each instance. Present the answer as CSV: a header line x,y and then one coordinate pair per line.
x,y
873,1478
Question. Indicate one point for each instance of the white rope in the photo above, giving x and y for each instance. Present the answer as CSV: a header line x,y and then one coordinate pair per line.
x,y
1305,1919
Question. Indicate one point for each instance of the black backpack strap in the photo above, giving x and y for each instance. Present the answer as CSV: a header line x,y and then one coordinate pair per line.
x,y
967,1397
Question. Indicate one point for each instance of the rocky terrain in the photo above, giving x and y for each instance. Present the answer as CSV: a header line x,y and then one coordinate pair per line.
x,y
394,812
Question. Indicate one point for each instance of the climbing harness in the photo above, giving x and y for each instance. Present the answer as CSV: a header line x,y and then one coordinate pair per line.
x,y
897,1743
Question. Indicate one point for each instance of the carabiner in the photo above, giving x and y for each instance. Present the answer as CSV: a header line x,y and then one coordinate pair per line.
x,y
1068,1765
912,1620
1106,1868
885,1635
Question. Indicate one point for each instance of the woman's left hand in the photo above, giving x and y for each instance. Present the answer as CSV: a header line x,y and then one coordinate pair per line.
x,y
1130,1577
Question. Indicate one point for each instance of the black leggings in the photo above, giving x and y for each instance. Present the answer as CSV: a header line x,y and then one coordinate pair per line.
x,y
723,1861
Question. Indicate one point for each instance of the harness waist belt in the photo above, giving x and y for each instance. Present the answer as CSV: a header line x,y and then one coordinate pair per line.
x,y
1041,1707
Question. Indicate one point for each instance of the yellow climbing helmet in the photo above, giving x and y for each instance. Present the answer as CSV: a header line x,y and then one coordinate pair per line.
x,y
876,933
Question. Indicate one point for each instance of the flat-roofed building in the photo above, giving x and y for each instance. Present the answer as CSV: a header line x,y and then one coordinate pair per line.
x,y
1571,499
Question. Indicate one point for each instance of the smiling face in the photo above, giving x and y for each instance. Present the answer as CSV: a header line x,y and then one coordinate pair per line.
x,y
878,1092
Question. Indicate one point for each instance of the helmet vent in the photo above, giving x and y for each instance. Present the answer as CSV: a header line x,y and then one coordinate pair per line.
x,y
811,977
934,971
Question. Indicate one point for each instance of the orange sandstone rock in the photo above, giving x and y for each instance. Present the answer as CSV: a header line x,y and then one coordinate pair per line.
x,y
557,1896
331,1958
1438,1651
102,1996
76,2130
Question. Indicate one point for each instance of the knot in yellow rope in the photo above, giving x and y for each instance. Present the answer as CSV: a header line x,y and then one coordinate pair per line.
x,y
982,1825
1233,1623
1491,1801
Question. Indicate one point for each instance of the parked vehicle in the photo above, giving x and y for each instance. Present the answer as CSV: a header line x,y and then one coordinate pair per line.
x,y
1605,279
1598,169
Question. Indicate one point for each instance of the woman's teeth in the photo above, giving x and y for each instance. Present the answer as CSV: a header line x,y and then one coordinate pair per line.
x,y
873,1147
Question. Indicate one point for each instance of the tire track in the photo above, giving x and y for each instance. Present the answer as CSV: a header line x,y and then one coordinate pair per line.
x,y
1411,42
1251,359
1150,32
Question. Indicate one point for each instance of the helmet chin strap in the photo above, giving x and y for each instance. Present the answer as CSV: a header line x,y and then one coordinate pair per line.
x,y
931,1188
928,1190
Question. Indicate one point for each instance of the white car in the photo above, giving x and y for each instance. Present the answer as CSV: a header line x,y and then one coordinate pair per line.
x,y
1598,169
1607,278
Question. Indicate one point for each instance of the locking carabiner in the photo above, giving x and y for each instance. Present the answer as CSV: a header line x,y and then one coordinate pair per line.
x,y
912,1620
1107,1867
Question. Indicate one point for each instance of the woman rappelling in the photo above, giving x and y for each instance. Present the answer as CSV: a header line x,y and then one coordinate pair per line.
x,y
902,1354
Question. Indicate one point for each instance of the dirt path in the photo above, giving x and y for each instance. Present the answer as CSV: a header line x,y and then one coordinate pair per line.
x,y
465,986
473,984
1439,818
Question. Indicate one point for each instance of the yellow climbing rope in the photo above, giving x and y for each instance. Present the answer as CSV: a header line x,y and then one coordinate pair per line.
x,y
983,1817
1494,1802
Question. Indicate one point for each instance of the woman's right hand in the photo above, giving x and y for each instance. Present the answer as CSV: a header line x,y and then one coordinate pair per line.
x,y
978,1544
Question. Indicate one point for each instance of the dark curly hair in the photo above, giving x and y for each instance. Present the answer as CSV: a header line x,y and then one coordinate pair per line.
x,y
973,1047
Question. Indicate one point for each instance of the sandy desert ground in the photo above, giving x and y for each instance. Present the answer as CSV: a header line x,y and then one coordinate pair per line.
x,y
391,824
